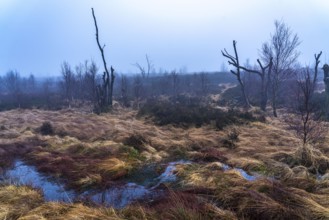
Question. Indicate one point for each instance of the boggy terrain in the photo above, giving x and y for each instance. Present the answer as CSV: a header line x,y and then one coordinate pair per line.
x,y
85,152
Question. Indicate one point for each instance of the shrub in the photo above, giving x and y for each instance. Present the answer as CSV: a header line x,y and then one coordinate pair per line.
x,y
231,138
131,153
46,128
192,114
136,140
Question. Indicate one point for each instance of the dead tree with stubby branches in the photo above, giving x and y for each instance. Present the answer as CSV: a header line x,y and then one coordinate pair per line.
x,y
105,91
234,61
265,75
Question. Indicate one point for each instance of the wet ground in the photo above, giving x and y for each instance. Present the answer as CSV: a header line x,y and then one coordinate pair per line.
x,y
116,196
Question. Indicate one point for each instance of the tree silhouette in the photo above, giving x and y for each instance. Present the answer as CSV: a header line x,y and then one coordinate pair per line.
x,y
105,91
282,48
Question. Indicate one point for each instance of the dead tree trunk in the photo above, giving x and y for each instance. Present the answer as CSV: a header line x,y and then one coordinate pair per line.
x,y
265,80
325,69
105,97
234,61
326,78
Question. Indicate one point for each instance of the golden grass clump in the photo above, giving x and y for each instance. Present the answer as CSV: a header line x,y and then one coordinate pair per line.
x,y
114,168
61,211
247,163
308,156
16,201
264,199
295,198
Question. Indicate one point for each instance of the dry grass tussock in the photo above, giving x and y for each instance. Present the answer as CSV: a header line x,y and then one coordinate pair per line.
x,y
262,198
17,201
60,211
25,203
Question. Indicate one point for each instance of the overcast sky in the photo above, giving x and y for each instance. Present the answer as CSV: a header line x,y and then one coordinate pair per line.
x,y
36,36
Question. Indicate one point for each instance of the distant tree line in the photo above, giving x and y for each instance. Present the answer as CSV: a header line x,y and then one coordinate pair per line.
x,y
77,86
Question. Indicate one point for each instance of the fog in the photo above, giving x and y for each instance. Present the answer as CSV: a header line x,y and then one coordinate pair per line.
x,y
37,36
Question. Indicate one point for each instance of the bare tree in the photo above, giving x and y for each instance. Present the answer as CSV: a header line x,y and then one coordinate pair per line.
x,y
307,126
90,84
31,85
12,82
187,83
138,89
264,73
79,81
145,73
204,81
68,80
124,90
47,84
325,69
223,67
234,61
175,82
164,84
105,92
282,48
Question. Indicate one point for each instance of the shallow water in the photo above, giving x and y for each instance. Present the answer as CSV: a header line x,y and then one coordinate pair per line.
x,y
243,173
118,196
121,196
23,174
246,175
168,175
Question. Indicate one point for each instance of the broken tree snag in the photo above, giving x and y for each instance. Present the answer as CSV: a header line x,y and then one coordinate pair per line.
x,y
105,98
326,78
317,61
234,61
111,86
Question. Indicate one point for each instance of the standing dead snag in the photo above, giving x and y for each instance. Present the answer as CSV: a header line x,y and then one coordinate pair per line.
x,y
317,61
265,80
234,61
325,69
326,77
104,92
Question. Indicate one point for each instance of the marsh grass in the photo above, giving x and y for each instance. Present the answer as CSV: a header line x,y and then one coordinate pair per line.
x,y
100,150
260,199
16,201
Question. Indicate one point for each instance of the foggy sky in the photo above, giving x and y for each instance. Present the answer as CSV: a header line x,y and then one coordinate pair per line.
x,y
36,36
